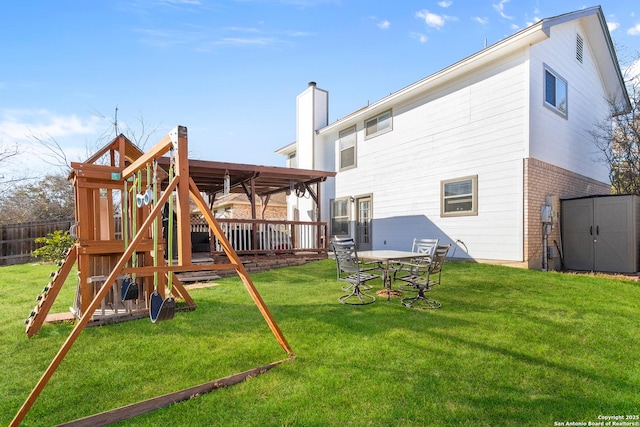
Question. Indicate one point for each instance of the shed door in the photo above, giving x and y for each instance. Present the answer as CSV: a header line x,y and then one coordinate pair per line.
x,y
577,230
363,223
613,218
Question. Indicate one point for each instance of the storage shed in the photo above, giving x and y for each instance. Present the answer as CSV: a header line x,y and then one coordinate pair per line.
x,y
601,233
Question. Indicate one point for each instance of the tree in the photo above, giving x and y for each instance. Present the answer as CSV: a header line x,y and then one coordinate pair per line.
x,y
49,198
52,196
7,153
618,140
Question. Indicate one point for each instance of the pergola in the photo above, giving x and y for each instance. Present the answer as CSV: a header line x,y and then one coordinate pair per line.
x,y
254,180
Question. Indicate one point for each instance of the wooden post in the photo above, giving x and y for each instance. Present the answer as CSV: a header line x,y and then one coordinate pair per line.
x,y
182,202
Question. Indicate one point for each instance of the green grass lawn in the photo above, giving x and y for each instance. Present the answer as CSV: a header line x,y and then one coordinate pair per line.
x,y
508,347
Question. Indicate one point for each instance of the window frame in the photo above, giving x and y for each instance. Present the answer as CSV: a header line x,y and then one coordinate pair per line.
x,y
345,135
345,218
557,78
376,118
474,196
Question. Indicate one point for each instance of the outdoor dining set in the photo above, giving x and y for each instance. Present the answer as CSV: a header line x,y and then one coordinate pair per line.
x,y
418,270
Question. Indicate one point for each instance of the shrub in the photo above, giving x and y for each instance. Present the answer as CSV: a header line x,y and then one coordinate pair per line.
x,y
55,246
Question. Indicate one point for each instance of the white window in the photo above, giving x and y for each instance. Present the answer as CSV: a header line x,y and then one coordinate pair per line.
x,y
378,125
347,148
340,217
292,162
555,92
459,196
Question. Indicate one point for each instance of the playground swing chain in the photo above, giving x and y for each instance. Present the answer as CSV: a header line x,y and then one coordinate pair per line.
x,y
130,289
161,308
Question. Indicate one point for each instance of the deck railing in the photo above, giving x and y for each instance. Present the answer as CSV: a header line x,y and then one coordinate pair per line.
x,y
257,237
254,237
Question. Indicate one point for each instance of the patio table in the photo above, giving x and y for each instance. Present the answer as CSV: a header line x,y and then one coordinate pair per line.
x,y
385,257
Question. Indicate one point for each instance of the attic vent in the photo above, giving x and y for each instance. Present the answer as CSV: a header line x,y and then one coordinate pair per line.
x,y
579,48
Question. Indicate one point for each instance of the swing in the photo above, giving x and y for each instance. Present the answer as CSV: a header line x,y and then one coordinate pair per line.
x,y
162,308
129,290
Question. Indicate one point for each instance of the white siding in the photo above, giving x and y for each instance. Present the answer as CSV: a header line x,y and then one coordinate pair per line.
x,y
475,127
566,142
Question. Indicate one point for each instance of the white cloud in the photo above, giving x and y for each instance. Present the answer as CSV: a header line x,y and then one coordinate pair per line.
x,y
420,37
434,20
19,125
384,25
445,4
481,21
535,20
613,26
500,9
634,31
71,132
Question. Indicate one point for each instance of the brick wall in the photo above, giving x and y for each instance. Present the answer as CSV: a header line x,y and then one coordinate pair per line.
x,y
541,180
243,211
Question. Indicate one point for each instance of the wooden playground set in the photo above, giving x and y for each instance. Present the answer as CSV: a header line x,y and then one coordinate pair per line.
x,y
135,276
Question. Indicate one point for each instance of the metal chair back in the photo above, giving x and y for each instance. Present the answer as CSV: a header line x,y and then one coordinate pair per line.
x,y
346,256
424,246
437,261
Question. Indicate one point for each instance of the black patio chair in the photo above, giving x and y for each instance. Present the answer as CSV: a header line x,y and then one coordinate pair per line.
x,y
351,271
425,278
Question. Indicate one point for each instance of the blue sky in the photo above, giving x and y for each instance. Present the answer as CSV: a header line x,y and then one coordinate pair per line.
x,y
231,70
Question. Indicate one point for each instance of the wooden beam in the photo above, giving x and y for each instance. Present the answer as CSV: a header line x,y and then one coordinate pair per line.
x,y
149,270
182,200
163,146
54,289
139,408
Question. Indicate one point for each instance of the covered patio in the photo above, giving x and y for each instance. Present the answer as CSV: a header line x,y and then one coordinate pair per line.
x,y
256,237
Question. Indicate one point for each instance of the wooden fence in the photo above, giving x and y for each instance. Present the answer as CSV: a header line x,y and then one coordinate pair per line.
x,y
17,241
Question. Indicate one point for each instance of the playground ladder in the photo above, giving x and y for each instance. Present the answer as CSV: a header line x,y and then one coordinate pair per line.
x,y
49,293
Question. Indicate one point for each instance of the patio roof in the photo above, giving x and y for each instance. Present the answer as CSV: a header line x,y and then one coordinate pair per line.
x,y
265,180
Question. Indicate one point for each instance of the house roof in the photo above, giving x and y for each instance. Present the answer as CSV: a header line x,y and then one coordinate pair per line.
x,y
209,177
598,33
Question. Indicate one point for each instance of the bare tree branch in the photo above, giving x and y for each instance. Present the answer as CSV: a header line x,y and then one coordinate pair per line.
x,y
618,140
55,155
9,151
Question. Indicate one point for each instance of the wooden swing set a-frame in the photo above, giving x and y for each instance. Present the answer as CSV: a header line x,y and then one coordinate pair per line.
x,y
185,189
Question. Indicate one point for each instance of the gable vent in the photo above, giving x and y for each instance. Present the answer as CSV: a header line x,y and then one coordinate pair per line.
x,y
579,48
